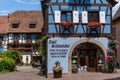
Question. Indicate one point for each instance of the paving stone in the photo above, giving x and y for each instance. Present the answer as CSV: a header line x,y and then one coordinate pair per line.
x,y
29,73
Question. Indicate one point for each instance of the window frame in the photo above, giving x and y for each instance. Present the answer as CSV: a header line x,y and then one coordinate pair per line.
x,y
66,18
92,19
32,25
15,25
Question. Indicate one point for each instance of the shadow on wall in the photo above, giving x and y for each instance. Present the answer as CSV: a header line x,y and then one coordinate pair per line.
x,y
117,78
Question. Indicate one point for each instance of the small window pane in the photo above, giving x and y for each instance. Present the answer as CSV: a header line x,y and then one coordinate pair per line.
x,y
15,25
32,25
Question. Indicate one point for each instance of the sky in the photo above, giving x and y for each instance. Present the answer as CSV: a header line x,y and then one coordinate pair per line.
x,y
10,6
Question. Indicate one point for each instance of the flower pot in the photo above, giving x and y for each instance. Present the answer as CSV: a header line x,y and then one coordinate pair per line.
x,y
58,74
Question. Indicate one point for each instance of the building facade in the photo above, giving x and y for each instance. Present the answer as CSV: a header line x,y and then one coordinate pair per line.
x,y
116,32
23,33
3,33
77,33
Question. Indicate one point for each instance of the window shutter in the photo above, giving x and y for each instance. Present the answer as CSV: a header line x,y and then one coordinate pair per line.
x,y
84,17
57,16
102,17
75,17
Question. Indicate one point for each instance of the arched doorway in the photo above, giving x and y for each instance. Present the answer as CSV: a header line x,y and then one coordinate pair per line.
x,y
87,54
90,53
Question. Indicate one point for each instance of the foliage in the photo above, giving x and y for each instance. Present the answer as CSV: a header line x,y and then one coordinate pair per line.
x,y
57,68
14,54
57,63
8,59
7,64
43,45
111,58
74,70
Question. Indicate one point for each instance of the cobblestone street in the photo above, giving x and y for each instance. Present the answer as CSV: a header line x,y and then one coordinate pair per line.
x,y
29,73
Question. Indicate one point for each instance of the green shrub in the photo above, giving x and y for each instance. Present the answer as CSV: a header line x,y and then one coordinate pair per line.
x,y
14,54
7,64
43,45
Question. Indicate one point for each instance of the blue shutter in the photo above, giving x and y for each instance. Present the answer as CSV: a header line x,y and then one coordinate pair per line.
x,y
25,36
12,36
33,37
18,36
1,49
4,37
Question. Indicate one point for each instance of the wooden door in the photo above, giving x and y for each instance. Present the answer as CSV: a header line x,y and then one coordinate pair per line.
x,y
88,57
91,60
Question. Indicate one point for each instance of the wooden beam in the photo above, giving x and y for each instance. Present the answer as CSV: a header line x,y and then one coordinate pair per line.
x,y
53,18
73,4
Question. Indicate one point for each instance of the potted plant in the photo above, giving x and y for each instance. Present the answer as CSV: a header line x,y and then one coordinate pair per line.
x,y
57,70
74,70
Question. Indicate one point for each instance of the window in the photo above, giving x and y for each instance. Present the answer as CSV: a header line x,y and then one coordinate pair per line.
x,y
66,15
32,25
15,25
93,16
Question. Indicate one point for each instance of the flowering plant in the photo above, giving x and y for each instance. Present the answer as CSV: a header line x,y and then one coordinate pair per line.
x,y
74,70
94,24
111,58
15,40
29,40
57,68
67,24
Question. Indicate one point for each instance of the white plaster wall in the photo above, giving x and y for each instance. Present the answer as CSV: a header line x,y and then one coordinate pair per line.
x,y
68,41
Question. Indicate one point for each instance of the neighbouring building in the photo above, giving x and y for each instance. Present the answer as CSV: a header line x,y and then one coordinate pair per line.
x,y
3,33
22,31
77,33
116,31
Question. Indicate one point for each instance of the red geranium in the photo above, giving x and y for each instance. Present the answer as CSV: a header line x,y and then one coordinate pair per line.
x,y
109,58
94,24
67,24
15,40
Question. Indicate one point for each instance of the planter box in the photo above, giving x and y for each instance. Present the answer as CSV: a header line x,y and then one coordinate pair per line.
x,y
57,74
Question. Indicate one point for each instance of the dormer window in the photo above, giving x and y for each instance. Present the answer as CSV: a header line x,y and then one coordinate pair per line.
x,y
15,25
32,25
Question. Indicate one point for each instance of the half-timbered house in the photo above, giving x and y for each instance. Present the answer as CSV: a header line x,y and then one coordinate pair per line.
x,y
24,33
77,33
3,33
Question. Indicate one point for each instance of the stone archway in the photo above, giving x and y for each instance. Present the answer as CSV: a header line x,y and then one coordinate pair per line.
x,y
80,42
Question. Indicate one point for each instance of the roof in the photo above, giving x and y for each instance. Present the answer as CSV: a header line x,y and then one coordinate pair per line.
x,y
112,2
115,8
24,19
3,24
117,15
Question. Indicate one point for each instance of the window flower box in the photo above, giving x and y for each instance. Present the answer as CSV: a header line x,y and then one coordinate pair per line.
x,y
66,24
15,40
94,24
37,41
29,40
